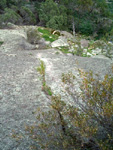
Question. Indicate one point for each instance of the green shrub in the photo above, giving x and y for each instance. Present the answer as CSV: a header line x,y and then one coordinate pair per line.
x,y
1,42
28,16
53,18
79,52
33,36
109,35
10,16
2,4
44,31
86,27
56,22
47,35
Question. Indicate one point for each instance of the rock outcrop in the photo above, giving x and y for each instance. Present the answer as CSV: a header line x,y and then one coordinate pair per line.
x,y
21,88
62,41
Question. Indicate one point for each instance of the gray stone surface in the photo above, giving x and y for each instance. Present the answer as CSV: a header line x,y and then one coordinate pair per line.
x,y
20,85
62,41
20,92
67,34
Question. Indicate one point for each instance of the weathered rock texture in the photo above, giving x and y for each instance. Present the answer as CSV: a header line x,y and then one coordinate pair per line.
x,y
20,85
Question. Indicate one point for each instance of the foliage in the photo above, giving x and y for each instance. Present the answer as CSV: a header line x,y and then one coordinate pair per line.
x,y
45,87
88,125
86,27
29,17
41,69
2,4
64,49
89,17
33,36
53,15
1,42
10,16
68,78
47,35
109,35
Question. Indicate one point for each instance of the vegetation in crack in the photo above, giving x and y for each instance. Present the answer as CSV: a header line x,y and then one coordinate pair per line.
x,y
45,87
86,125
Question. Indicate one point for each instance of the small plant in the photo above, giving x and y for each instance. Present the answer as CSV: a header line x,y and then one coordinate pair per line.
x,y
89,50
57,53
10,16
68,78
96,44
1,42
64,49
78,51
41,70
45,87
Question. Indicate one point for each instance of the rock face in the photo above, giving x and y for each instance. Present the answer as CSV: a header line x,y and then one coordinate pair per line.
x,y
15,40
20,89
62,41
20,84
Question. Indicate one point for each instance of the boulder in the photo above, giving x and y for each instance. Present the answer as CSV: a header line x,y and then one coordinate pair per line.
x,y
84,43
66,34
62,41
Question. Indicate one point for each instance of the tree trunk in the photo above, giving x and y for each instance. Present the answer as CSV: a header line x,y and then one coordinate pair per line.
x,y
73,24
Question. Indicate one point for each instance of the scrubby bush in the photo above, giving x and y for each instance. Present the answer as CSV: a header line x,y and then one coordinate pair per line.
x,y
87,126
33,35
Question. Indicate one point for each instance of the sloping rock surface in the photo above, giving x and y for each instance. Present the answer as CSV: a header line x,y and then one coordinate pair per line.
x,y
62,41
20,85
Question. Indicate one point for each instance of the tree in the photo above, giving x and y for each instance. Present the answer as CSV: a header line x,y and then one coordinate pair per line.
x,y
53,15
2,4
10,16
94,14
